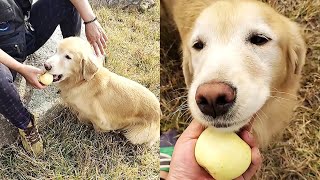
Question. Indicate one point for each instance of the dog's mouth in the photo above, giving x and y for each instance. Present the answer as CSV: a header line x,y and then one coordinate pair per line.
x,y
228,125
223,125
57,78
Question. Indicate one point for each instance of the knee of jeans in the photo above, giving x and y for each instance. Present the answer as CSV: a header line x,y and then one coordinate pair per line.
x,y
6,77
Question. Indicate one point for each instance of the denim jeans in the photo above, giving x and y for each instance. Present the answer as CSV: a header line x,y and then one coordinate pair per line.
x,y
45,16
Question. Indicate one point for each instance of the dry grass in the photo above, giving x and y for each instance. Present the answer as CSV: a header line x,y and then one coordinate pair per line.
x,y
76,151
297,154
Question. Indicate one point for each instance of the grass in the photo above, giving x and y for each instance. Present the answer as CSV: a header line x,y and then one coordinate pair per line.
x,y
76,151
297,154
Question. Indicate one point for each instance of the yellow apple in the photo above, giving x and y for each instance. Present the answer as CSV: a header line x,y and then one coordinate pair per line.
x,y
46,78
223,155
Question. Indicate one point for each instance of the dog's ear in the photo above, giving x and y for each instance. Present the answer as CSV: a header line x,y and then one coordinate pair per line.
x,y
89,69
296,49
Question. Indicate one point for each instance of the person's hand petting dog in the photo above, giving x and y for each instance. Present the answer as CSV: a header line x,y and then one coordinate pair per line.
x,y
96,37
184,165
94,32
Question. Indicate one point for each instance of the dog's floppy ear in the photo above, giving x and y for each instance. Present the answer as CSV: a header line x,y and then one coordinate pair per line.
x,y
187,67
296,49
89,69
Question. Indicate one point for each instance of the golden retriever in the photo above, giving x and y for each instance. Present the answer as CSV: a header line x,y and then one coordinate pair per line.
x,y
105,99
241,62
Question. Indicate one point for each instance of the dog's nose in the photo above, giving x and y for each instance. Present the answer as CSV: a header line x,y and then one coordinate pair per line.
x,y
215,99
47,66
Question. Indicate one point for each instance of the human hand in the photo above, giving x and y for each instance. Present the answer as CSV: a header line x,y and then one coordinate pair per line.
x,y
256,159
31,73
96,37
184,165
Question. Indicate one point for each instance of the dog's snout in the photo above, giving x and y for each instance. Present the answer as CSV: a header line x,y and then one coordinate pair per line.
x,y
47,66
215,99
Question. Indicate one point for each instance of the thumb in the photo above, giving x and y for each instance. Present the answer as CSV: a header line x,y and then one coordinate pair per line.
x,y
194,130
39,71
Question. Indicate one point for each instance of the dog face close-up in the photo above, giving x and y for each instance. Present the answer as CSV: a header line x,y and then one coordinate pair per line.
x,y
73,59
237,54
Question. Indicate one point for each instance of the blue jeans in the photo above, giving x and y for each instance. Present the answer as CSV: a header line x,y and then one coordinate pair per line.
x,y
45,16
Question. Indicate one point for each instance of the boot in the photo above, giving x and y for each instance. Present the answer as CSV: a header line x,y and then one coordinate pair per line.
x,y
31,140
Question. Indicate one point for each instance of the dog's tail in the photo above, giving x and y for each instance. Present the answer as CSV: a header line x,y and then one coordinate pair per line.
x,y
142,133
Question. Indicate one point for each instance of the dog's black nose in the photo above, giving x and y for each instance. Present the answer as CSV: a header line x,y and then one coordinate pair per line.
x,y
47,66
215,98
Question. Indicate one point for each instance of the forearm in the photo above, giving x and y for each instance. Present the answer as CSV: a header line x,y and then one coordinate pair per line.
x,y
9,61
84,9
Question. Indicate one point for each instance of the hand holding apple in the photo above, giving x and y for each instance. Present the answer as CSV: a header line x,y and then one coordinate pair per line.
x,y
224,155
184,165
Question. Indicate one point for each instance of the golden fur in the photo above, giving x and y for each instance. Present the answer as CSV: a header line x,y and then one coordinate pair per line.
x,y
103,98
277,110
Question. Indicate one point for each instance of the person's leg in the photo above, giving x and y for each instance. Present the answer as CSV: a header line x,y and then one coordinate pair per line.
x,y
11,106
46,15
14,111
71,26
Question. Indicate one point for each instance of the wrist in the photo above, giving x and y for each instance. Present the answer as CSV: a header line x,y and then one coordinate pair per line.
x,y
90,21
88,16
19,67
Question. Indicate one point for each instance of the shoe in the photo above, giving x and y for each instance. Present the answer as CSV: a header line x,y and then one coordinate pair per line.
x,y
31,140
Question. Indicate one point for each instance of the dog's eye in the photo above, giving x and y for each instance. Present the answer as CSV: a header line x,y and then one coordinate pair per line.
x,y
259,39
68,57
198,45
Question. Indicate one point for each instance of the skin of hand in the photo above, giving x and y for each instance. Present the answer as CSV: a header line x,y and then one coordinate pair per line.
x,y
94,32
97,37
30,73
184,165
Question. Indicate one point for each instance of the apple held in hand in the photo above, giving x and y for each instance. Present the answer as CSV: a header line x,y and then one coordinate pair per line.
x,y
46,79
224,155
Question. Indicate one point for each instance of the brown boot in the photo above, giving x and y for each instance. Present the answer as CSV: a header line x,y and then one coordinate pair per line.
x,y
31,140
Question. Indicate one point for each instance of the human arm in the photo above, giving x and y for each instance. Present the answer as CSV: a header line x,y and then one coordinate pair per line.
x,y
30,73
94,32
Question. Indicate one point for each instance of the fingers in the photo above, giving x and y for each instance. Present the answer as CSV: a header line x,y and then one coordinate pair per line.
x,y
100,47
256,158
239,178
193,131
97,37
35,81
248,138
40,71
255,164
96,49
105,39
38,85
248,127
103,42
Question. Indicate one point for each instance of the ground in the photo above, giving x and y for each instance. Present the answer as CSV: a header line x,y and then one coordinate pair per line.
x,y
74,150
297,154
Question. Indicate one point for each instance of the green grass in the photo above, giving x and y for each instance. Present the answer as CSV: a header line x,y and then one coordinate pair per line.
x,y
133,49
76,151
297,154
